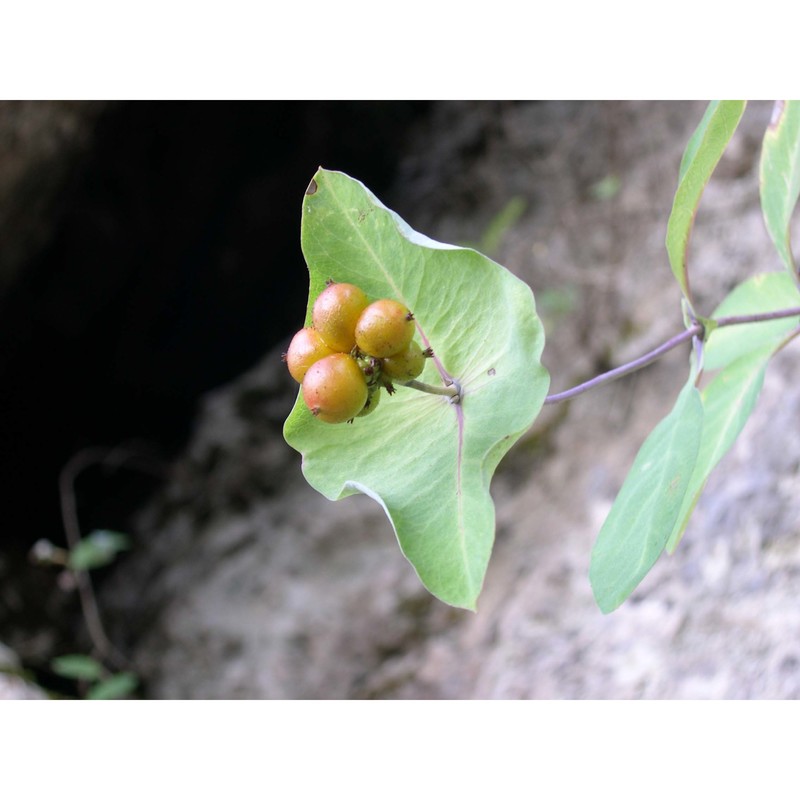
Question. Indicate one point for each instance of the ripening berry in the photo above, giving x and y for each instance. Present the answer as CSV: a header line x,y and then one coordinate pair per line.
x,y
335,314
334,388
306,348
404,366
384,328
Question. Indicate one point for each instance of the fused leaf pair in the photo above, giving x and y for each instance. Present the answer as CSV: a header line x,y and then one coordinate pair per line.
x,y
426,460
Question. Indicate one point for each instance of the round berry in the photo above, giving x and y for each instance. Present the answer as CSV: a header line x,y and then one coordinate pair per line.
x,y
306,348
371,404
404,366
335,314
334,388
384,328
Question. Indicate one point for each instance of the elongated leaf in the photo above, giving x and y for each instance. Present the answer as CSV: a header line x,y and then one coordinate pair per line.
x,y
728,401
780,176
78,667
116,687
701,156
646,509
98,549
768,291
426,461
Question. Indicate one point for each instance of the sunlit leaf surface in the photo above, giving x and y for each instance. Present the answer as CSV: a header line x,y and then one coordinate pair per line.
x,y
427,461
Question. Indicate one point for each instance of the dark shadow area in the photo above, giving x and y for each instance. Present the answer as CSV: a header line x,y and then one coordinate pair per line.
x,y
175,266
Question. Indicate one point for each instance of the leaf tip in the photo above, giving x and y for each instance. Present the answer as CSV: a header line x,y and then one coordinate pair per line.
x,y
604,598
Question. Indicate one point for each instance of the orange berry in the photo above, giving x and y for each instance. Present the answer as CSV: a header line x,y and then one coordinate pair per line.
x,y
335,313
306,348
384,329
406,365
334,388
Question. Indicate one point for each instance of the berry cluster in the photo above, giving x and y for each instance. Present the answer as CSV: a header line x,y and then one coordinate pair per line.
x,y
352,349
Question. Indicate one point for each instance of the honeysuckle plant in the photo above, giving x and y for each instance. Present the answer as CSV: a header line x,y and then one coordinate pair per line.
x,y
470,383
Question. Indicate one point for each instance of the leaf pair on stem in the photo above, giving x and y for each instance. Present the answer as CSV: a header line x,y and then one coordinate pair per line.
x,y
753,323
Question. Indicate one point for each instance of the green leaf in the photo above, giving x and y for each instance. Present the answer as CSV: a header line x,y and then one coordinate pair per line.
x,y
728,400
780,176
114,688
427,462
701,156
647,506
768,291
77,667
98,549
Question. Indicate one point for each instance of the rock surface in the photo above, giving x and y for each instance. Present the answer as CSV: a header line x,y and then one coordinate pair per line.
x,y
247,584
12,685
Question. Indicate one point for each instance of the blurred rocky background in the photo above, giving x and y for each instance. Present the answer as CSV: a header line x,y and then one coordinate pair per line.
x,y
151,275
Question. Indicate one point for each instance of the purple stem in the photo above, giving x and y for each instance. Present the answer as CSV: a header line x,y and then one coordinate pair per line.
x,y
765,316
625,369
696,330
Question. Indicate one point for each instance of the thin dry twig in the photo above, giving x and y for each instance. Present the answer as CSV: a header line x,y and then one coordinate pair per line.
x,y
114,458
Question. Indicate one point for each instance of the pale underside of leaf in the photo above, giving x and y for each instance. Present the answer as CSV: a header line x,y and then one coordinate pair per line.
x,y
647,506
741,353
427,462
728,400
780,176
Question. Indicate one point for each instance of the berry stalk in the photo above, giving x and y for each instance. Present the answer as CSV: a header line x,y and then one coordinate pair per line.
x,y
452,390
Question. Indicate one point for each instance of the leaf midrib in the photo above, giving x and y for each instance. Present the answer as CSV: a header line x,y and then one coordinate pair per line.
x,y
458,409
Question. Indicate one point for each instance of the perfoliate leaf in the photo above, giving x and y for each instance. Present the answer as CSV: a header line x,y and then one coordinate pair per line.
x,y
780,176
426,461
701,156
769,291
648,504
728,400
